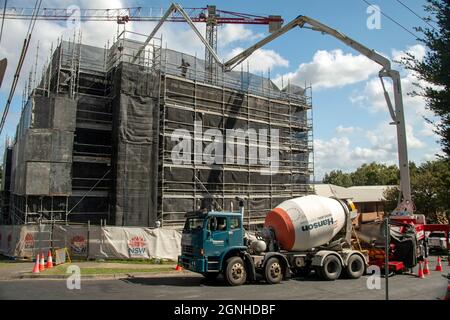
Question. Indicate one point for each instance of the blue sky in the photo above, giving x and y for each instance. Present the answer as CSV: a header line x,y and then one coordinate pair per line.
x,y
350,116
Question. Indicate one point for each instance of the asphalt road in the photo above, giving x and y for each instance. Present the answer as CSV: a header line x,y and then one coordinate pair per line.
x,y
195,287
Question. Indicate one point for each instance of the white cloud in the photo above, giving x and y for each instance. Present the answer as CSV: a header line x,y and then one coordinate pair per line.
x,y
384,137
330,69
230,33
346,130
432,155
417,50
261,60
177,36
428,129
412,140
372,97
47,33
340,154
334,68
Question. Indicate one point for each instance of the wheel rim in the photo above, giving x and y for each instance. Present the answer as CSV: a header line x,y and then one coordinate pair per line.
x,y
237,271
275,270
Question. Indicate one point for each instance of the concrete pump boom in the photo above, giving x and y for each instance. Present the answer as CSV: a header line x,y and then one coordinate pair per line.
x,y
396,112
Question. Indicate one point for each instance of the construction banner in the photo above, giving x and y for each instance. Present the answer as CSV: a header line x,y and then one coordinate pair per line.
x,y
141,243
73,237
95,242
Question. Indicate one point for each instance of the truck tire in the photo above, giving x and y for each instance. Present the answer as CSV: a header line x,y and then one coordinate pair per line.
x,y
331,268
355,267
235,272
273,272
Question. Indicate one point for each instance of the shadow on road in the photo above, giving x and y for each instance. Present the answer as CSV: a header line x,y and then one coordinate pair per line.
x,y
175,281
195,281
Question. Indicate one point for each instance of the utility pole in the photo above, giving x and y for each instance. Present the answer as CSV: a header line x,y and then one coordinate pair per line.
x,y
386,255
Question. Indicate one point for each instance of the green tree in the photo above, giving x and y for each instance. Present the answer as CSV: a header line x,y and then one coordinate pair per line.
x,y
434,68
375,174
372,174
337,177
430,185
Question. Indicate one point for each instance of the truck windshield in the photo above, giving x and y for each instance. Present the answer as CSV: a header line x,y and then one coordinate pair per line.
x,y
437,235
193,224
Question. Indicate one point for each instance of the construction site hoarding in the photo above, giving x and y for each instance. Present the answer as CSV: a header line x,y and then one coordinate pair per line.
x,y
91,242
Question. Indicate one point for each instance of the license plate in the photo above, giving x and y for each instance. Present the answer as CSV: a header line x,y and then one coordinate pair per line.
x,y
435,242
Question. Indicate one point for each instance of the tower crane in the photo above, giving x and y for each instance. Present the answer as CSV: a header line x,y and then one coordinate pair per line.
x,y
209,15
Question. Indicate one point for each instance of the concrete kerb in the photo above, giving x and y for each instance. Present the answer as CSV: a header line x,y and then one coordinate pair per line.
x,y
105,276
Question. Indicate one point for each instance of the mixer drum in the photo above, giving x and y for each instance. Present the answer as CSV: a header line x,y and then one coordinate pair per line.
x,y
303,223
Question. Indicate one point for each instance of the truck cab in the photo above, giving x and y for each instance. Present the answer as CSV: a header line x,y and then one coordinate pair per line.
x,y
208,238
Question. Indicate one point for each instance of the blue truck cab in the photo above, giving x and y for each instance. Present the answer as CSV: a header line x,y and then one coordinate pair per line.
x,y
208,239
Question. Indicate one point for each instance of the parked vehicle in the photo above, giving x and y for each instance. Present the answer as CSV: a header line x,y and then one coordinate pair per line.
x,y
437,241
300,234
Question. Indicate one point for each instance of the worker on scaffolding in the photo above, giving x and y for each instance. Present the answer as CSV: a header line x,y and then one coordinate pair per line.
x,y
184,67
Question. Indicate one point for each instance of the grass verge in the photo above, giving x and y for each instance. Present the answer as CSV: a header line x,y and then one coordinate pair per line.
x,y
62,270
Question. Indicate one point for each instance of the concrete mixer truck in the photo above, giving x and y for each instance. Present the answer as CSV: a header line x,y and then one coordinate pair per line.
x,y
299,235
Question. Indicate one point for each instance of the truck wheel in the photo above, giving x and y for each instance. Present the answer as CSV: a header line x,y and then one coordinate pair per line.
x,y
355,267
235,273
331,268
273,272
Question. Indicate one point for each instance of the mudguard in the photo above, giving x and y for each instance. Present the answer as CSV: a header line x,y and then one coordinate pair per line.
x,y
317,260
232,251
250,266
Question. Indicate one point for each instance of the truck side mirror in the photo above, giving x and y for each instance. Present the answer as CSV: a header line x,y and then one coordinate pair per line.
x,y
208,234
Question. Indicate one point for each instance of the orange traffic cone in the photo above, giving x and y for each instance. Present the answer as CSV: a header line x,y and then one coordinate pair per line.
x,y
36,265
420,273
49,260
426,270
439,265
42,263
178,268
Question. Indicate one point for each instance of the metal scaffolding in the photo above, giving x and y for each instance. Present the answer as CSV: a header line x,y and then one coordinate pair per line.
x,y
99,81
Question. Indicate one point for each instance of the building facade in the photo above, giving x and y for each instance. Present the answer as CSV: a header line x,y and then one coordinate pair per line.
x,y
97,137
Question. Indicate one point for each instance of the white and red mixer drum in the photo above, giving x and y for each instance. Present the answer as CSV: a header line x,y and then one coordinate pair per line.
x,y
307,222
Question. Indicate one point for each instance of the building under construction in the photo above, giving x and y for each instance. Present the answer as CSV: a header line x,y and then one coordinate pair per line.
x,y
95,140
